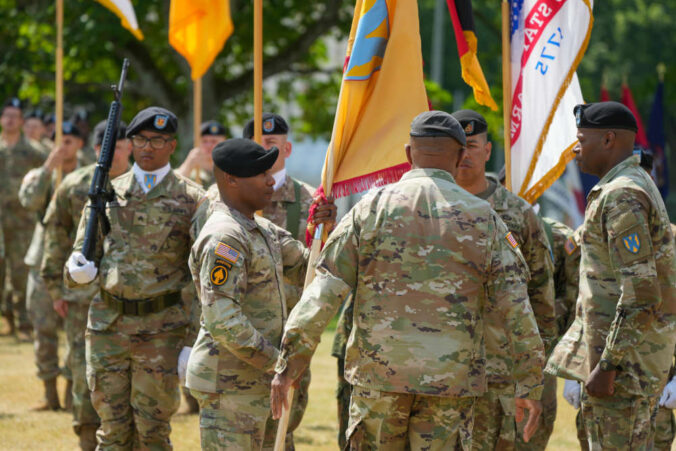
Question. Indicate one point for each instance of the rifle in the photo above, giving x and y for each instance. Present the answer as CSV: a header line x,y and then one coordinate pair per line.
x,y
98,193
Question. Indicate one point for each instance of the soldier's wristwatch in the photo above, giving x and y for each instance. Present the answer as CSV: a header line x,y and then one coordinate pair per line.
x,y
607,366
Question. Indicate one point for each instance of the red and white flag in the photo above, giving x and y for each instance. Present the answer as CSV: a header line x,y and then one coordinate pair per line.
x,y
548,40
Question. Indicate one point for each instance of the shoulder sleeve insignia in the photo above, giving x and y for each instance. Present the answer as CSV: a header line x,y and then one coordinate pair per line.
x,y
632,243
511,240
570,246
226,252
219,275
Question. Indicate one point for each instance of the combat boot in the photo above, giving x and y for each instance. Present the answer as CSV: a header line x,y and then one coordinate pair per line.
x,y
68,398
11,327
88,437
51,400
24,335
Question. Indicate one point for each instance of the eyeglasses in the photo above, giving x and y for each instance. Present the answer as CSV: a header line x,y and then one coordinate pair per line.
x,y
156,142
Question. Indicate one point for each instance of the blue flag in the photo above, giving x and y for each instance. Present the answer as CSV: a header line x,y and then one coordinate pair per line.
x,y
657,141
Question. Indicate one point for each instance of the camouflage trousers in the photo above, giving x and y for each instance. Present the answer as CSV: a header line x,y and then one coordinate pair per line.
x,y
665,429
76,325
581,432
343,394
494,423
17,238
619,423
46,323
133,381
399,421
538,442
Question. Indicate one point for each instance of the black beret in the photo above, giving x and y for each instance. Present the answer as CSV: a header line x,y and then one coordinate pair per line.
x,y
243,158
605,115
13,102
100,130
80,116
34,114
49,119
212,128
472,122
155,119
273,124
68,128
431,124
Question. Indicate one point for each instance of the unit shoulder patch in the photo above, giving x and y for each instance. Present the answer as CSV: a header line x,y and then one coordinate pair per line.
x,y
219,275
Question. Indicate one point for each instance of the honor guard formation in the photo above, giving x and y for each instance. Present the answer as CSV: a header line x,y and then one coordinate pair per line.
x,y
458,306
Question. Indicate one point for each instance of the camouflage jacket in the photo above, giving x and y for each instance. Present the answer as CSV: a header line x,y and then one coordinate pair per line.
x,y
15,162
561,240
60,223
146,252
240,267
35,193
627,301
426,262
276,211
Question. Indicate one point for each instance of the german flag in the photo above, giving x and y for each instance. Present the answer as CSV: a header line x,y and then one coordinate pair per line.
x,y
463,26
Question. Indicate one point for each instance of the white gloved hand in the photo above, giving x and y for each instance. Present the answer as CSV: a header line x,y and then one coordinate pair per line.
x,y
571,393
668,398
183,363
81,270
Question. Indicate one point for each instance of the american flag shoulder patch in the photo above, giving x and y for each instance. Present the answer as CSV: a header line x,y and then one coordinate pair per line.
x,y
511,240
226,252
570,246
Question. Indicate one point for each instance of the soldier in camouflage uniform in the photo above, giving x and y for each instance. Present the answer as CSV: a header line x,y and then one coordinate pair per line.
x,y
60,222
289,209
494,421
426,263
35,192
198,165
17,157
138,324
243,305
621,343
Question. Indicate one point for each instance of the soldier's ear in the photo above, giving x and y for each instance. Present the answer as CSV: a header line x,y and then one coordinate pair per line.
x,y
407,147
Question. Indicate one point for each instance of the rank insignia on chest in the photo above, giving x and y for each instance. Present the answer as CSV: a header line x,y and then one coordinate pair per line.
x,y
219,275
570,246
511,240
226,252
632,243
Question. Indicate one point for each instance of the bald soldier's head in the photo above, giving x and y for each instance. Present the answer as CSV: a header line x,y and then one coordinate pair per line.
x,y
606,132
437,141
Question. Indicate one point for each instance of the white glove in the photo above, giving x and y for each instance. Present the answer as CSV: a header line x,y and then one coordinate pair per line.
x,y
571,393
81,270
183,363
668,398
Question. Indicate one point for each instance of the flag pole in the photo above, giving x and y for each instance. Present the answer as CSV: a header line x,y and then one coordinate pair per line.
x,y
59,85
197,120
507,92
258,70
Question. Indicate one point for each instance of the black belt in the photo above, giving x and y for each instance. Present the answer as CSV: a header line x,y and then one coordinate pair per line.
x,y
141,307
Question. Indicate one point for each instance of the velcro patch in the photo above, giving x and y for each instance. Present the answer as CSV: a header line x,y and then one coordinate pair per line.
x,y
226,252
570,246
219,275
511,240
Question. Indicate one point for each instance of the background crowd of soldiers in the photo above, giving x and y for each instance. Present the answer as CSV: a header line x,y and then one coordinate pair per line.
x,y
453,294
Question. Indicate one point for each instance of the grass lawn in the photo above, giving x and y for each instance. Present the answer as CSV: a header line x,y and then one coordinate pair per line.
x,y
21,429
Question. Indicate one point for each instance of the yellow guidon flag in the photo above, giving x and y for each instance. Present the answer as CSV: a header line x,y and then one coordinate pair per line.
x,y
381,92
125,11
198,30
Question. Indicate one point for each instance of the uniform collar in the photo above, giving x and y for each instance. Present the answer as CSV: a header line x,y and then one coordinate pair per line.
x,y
632,161
132,188
498,198
280,178
428,172
286,193
160,173
248,223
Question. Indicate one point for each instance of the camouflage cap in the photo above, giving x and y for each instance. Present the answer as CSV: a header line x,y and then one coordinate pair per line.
x,y
430,124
